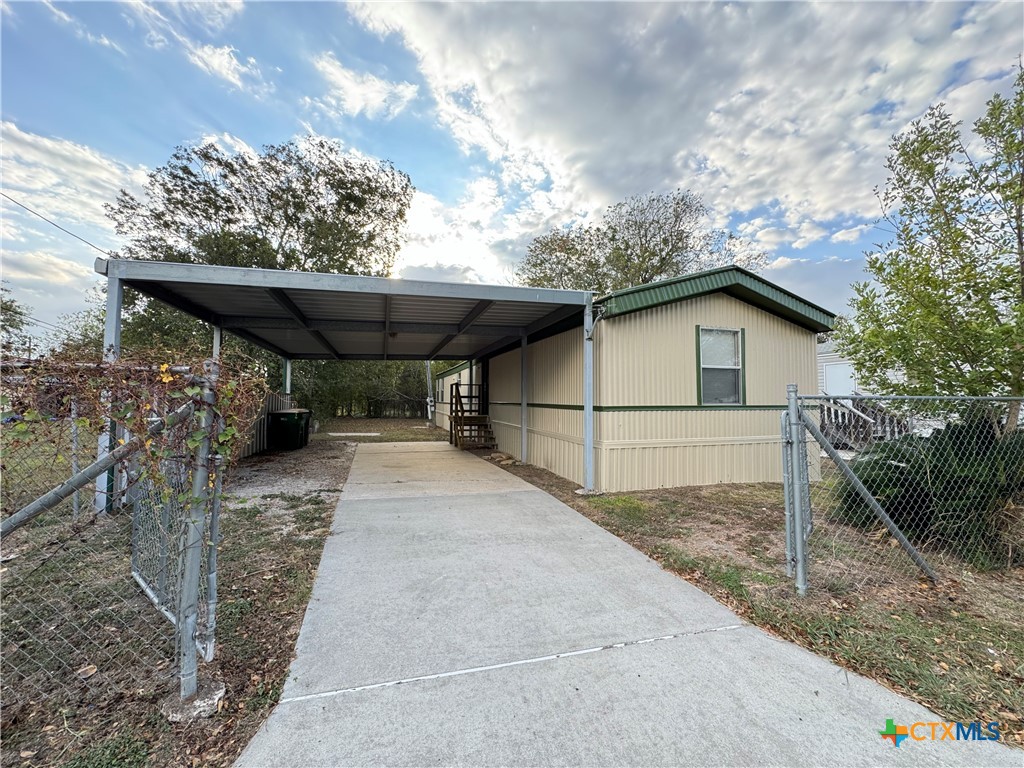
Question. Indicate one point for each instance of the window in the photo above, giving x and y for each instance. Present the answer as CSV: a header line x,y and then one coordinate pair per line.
x,y
721,366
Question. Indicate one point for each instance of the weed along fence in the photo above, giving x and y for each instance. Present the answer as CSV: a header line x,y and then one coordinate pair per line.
x,y
884,490
109,564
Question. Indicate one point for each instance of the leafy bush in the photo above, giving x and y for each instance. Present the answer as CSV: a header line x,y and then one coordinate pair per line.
x,y
962,487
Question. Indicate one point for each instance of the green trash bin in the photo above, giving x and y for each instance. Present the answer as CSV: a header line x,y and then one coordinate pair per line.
x,y
288,430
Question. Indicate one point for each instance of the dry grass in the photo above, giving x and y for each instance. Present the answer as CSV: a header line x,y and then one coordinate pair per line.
x,y
957,648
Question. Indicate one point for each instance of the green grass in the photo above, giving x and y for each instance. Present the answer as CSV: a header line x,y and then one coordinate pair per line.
x,y
391,430
124,750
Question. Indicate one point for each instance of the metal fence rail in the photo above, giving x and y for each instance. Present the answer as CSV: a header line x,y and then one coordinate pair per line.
x,y
120,599
883,490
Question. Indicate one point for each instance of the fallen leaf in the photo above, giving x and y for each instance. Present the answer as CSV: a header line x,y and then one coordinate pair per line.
x,y
997,667
1009,716
27,753
86,672
944,665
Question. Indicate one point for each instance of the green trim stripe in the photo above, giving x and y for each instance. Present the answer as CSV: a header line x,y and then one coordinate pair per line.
x,y
640,408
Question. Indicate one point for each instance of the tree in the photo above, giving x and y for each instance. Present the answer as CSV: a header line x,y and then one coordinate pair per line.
x,y
944,313
639,240
14,317
574,258
303,205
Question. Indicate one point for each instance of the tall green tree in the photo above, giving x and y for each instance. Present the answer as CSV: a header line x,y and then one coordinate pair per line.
x,y
639,240
304,205
13,320
944,311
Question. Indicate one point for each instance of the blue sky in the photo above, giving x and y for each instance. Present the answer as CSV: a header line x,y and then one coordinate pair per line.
x,y
510,118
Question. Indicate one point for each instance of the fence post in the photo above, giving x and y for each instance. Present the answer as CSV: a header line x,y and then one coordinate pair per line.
x,y
797,486
787,488
210,630
188,598
75,498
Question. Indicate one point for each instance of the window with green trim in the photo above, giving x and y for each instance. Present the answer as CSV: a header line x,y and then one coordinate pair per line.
x,y
721,366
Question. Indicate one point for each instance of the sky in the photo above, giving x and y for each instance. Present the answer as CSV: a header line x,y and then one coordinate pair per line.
x,y
510,118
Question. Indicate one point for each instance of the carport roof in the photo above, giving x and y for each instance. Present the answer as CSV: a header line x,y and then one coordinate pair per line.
x,y
314,316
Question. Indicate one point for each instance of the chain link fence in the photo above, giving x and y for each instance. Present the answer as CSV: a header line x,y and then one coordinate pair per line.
x,y
891,489
97,556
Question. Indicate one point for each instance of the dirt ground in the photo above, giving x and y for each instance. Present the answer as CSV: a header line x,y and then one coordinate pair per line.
x,y
276,515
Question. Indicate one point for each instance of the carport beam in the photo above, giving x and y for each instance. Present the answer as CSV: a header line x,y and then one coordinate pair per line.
x,y
523,407
107,482
588,395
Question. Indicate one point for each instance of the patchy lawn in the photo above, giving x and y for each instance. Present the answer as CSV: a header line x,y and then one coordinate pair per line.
x,y
275,519
957,648
390,430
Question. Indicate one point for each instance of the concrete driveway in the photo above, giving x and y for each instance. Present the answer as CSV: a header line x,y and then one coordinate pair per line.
x,y
463,617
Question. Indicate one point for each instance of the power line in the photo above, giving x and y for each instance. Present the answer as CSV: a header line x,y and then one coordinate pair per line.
x,y
42,323
58,226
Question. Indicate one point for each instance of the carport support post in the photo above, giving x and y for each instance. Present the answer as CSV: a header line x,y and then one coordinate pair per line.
x,y
286,365
107,482
524,413
217,337
588,394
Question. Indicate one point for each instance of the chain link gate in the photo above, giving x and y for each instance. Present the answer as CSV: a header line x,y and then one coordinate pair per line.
x,y
73,614
900,486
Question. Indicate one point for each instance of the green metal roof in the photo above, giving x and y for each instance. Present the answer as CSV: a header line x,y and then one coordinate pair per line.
x,y
732,281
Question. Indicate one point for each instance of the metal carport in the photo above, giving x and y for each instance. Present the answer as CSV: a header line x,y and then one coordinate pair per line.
x,y
315,316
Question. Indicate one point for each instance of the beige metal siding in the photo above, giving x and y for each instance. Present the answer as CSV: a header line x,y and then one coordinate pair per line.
x,y
646,365
554,370
650,357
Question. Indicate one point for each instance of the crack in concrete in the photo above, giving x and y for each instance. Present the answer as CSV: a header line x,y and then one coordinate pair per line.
x,y
507,664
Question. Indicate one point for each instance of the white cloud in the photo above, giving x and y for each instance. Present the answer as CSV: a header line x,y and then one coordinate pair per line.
x,y
42,269
221,62
81,31
218,61
808,233
61,179
851,235
212,15
67,183
354,93
443,273
777,106
783,262
229,143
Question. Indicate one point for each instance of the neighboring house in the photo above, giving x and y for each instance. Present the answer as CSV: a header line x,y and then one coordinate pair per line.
x,y
836,374
690,378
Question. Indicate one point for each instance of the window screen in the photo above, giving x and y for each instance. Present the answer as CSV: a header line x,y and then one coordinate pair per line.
x,y
720,367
